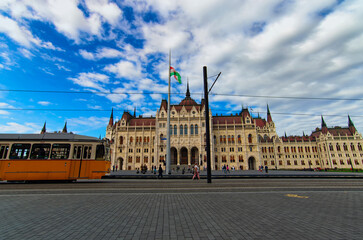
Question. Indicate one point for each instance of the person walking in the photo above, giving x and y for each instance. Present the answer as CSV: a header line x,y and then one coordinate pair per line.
x,y
266,169
160,172
196,172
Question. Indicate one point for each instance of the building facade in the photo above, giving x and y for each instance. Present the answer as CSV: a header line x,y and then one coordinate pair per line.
x,y
240,141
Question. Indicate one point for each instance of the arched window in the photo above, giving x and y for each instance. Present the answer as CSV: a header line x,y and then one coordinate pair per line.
x,y
215,139
352,147
195,129
181,130
121,140
250,138
171,129
278,149
345,147
232,138
186,129
338,147
131,139
239,138
224,138
175,130
220,139
191,129
229,139
359,147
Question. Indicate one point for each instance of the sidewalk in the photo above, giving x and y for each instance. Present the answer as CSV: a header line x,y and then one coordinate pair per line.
x,y
219,174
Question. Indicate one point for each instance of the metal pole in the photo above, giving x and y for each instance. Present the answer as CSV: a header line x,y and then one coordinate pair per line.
x,y
168,125
207,132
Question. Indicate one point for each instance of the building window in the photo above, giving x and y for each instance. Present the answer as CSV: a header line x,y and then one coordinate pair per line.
x,y
338,147
196,129
239,139
130,159
185,129
191,129
231,149
250,138
224,159
131,139
175,130
181,130
240,158
352,147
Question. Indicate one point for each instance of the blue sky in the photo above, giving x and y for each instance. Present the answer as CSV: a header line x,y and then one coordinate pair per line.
x,y
100,51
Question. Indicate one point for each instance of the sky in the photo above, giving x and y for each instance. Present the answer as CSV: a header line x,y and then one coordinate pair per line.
x,y
74,60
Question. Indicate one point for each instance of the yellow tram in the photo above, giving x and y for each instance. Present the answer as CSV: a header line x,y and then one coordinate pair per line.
x,y
52,156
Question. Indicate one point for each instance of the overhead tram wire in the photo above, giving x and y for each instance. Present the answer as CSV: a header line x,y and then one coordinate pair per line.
x,y
115,110
182,93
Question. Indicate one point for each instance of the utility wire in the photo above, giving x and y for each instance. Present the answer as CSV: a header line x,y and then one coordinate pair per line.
x,y
179,93
116,110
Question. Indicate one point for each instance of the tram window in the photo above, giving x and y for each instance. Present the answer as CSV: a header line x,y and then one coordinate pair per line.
x,y
87,152
100,152
40,151
60,151
77,152
4,151
20,151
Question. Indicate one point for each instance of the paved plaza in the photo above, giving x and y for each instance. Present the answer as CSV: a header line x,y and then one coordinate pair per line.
x,y
184,209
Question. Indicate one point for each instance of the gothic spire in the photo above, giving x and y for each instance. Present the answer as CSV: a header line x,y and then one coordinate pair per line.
x,y
44,129
65,128
134,112
351,125
269,118
110,123
188,93
323,124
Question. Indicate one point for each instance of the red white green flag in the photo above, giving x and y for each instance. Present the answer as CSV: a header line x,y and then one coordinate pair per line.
x,y
175,74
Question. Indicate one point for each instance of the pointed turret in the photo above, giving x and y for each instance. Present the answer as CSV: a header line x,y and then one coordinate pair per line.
x,y
44,129
134,112
351,125
188,93
285,135
324,128
110,123
65,128
269,118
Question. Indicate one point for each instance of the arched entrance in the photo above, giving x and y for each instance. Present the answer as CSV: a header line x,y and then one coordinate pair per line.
x,y
194,155
173,156
119,163
183,156
251,163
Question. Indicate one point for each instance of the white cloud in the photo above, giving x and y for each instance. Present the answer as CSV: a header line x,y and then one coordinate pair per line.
x,y
65,15
125,69
44,103
95,81
101,53
13,127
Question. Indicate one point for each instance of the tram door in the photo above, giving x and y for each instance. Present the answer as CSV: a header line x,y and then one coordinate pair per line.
x,y
80,164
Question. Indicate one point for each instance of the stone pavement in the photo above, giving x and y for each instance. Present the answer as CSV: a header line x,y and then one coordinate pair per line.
x,y
263,211
219,174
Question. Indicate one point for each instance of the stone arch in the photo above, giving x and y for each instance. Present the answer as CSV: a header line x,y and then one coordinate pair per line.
x,y
173,156
120,163
183,156
251,163
194,155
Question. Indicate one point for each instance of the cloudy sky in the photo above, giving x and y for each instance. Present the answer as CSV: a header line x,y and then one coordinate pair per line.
x,y
77,59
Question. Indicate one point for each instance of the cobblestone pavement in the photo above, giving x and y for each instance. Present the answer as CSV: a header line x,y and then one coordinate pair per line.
x,y
180,209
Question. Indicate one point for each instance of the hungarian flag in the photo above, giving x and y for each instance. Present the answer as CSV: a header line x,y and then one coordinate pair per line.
x,y
175,74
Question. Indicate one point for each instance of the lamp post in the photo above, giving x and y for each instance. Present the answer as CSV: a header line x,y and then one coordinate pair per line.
x,y
207,128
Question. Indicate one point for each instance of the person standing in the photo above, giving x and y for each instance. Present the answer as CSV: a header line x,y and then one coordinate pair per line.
x,y
266,169
196,172
160,172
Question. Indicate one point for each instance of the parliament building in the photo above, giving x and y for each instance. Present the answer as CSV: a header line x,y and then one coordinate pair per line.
x,y
240,141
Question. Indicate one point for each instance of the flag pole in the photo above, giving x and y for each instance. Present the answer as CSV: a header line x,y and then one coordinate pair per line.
x,y
168,124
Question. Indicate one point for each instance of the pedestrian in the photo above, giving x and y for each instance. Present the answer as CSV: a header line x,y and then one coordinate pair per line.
x,y
227,168
196,171
160,172
116,167
113,168
266,169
